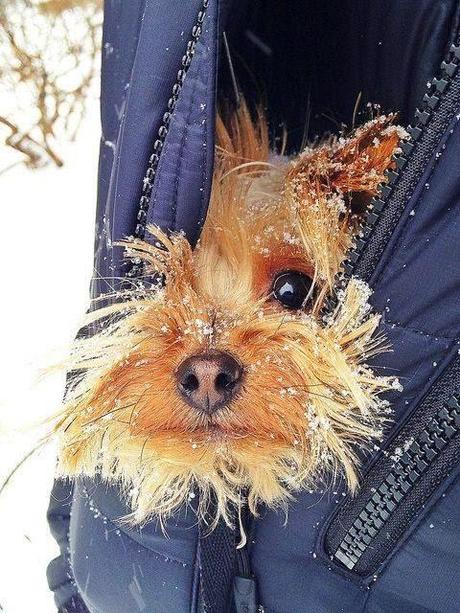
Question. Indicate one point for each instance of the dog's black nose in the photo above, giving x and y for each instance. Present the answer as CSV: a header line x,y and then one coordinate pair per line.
x,y
208,381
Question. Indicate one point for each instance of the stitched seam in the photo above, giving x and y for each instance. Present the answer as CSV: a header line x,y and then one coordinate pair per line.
x,y
390,322
69,556
206,140
453,33
180,158
120,136
203,172
194,586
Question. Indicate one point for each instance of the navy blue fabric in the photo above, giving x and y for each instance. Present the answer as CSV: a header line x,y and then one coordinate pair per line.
x,y
59,575
154,568
143,47
416,286
316,63
184,175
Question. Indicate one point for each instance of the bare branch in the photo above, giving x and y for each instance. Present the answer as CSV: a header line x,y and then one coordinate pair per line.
x,y
49,57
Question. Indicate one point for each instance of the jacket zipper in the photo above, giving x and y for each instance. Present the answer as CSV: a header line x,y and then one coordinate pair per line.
x,y
439,107
365,530
135,269
244,584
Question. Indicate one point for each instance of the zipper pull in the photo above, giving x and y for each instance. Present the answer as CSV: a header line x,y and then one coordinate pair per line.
x,y
244,593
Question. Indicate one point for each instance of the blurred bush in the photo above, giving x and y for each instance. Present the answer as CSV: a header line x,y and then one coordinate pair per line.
x,y
49,58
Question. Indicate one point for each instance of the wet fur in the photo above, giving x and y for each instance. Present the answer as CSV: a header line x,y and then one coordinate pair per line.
x,y
308,400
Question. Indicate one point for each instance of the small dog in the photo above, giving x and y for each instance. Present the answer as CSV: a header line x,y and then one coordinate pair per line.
x,y
225,381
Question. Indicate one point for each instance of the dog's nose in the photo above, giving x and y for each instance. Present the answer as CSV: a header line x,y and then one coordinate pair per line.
x,y
209,381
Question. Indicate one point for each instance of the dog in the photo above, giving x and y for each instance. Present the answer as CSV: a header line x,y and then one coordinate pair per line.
x,y
225,381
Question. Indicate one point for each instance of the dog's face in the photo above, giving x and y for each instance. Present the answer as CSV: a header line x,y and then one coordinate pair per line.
x,y
227,380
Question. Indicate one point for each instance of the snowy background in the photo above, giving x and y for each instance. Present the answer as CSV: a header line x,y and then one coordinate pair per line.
x,y
47,224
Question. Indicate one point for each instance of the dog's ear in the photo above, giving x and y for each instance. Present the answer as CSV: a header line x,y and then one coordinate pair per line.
x,y
351,167
329,186
358,163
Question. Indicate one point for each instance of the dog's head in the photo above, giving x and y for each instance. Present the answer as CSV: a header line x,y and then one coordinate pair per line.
x,y
226,379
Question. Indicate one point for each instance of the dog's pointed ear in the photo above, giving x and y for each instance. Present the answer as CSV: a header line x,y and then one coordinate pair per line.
x,y
330,186
351,167
359,163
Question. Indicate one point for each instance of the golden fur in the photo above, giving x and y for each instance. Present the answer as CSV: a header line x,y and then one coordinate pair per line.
x,y
308,400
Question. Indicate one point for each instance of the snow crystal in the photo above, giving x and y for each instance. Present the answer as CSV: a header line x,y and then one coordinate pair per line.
x,y
398,452
110,144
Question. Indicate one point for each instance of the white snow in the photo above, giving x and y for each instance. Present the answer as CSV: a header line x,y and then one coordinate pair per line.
x,y
47,225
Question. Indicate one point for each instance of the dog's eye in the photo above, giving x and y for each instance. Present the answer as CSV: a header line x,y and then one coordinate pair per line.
x,y
292,288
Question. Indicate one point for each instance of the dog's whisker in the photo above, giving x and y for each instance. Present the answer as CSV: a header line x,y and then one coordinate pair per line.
x,y
96,272
141,457
96,419
306,385
308,393
282,322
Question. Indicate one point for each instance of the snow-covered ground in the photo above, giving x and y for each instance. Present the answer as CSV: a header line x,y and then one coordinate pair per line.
x,y
47,224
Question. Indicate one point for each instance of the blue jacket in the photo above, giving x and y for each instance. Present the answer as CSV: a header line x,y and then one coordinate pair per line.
x,y
396,546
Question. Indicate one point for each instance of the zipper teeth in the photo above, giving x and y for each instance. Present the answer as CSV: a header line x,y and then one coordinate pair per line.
x,y
414,462
423,115
147,184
